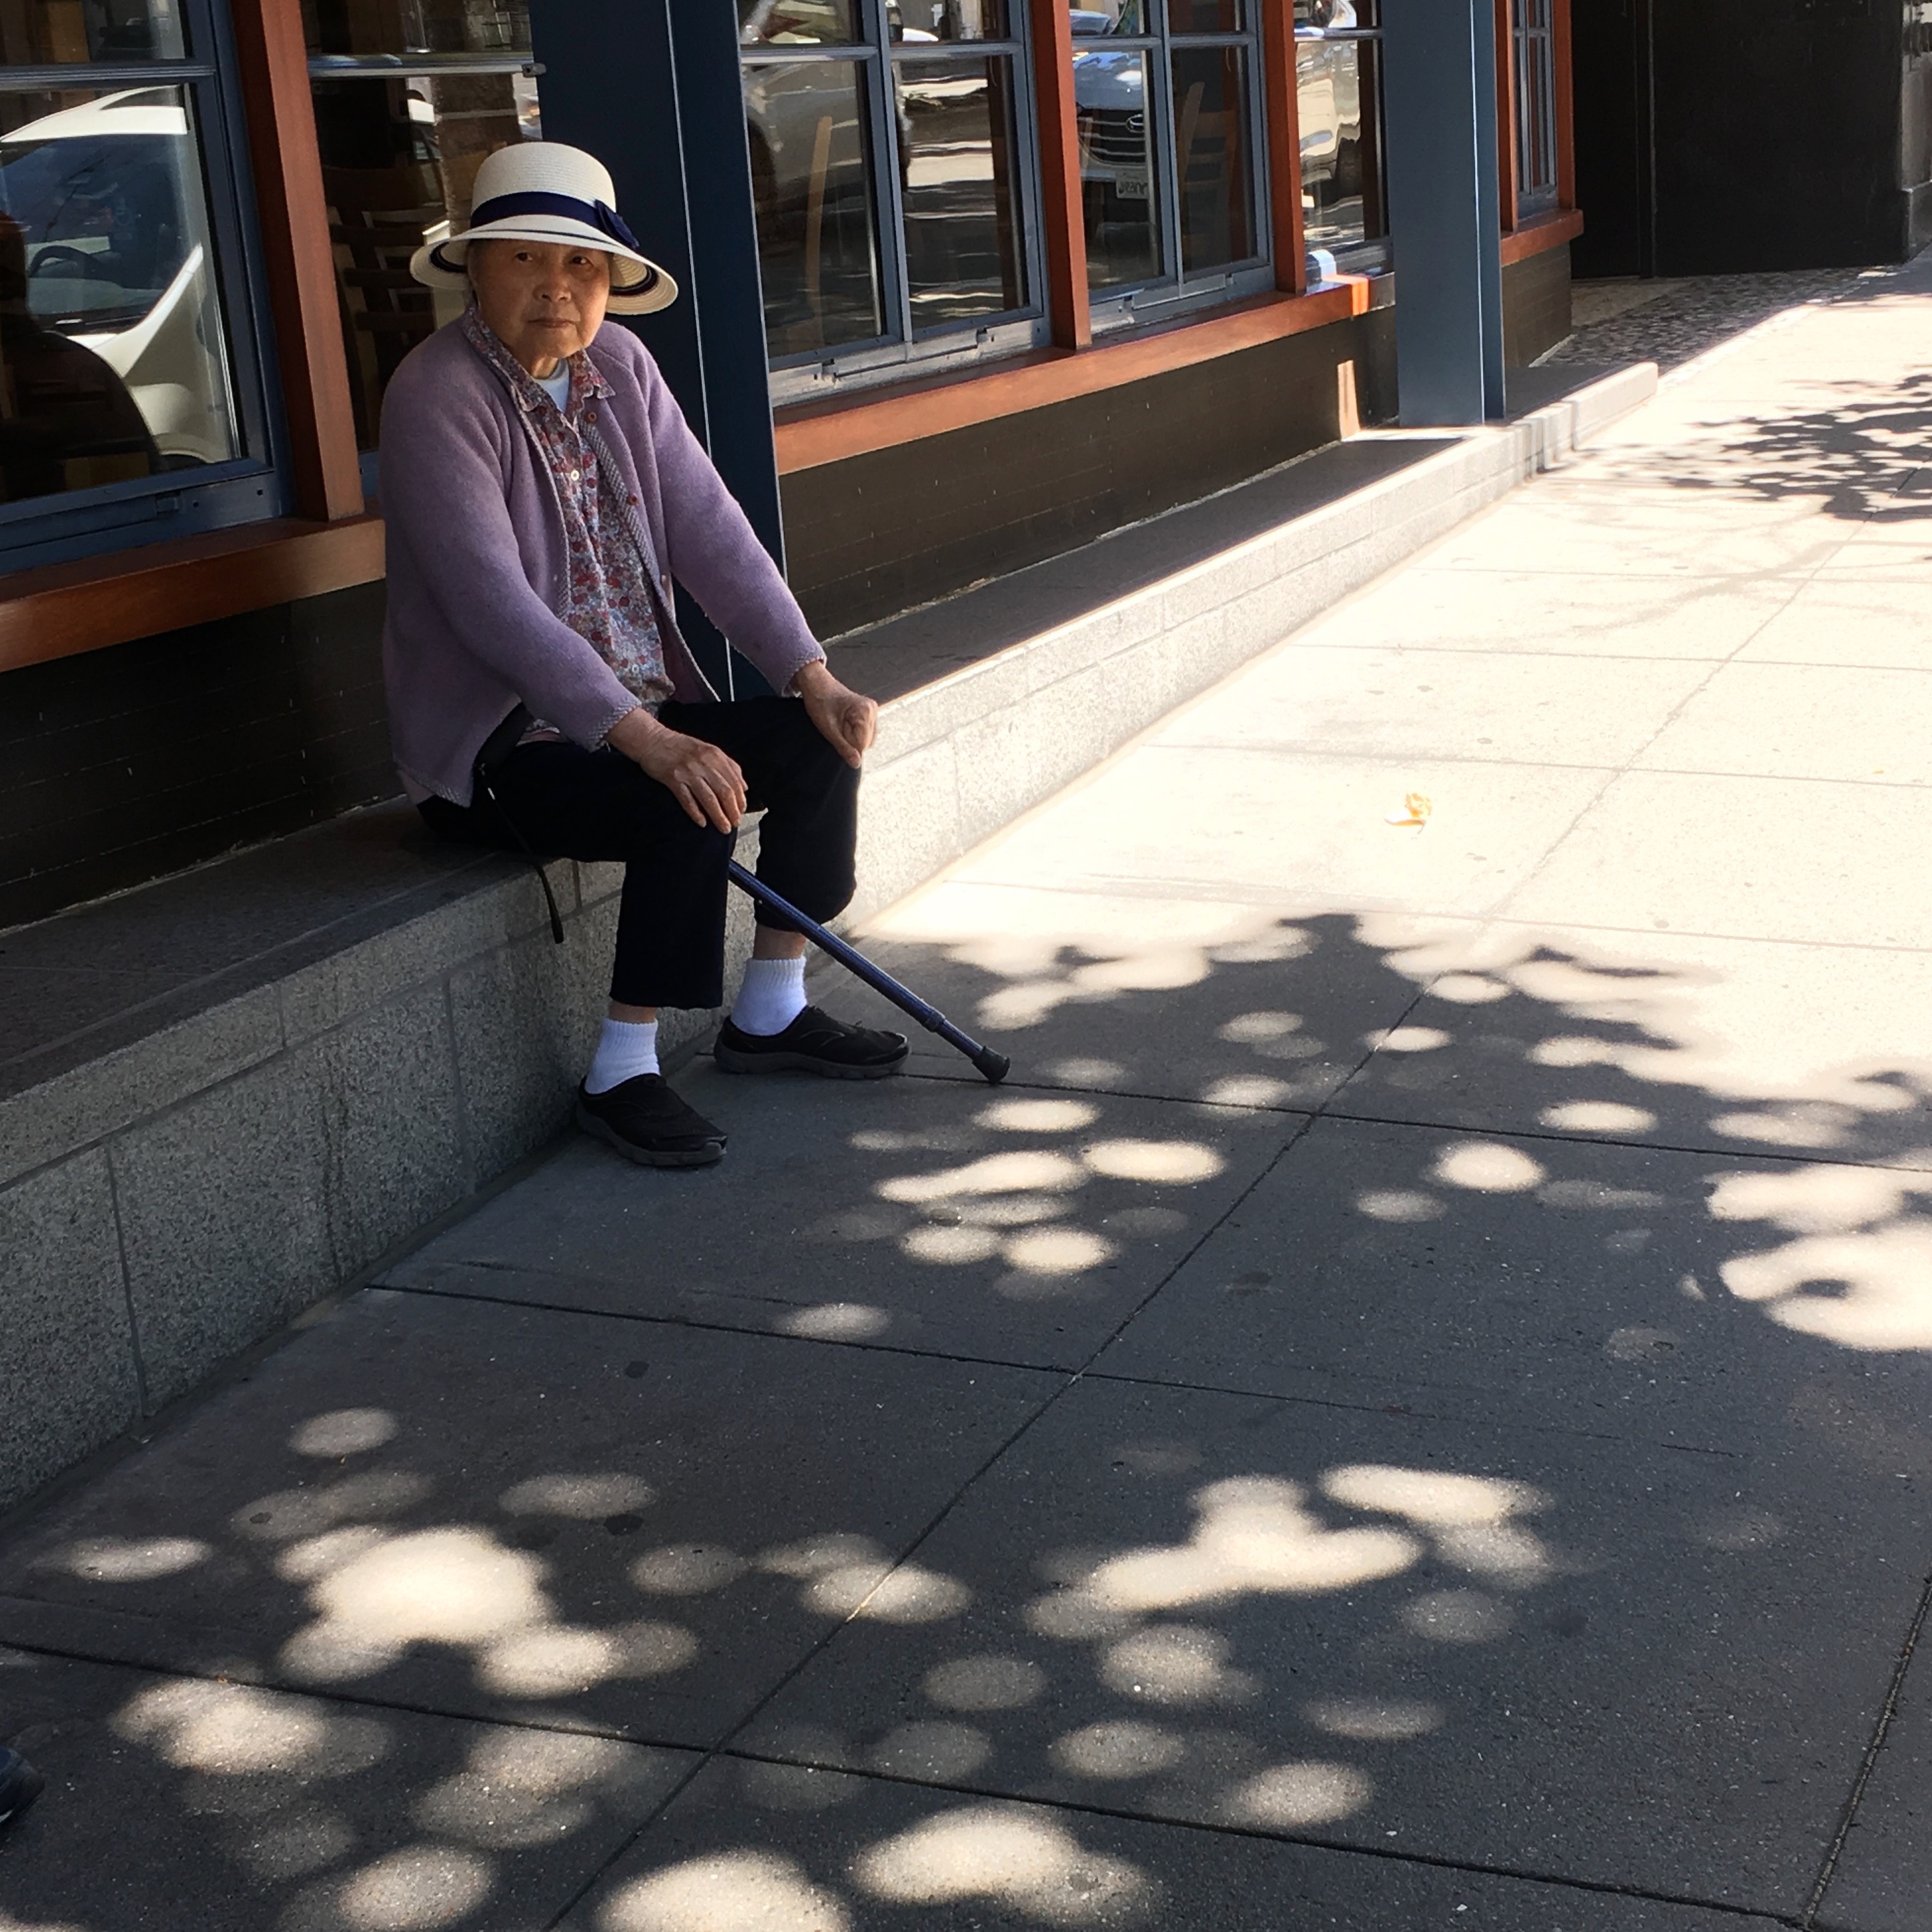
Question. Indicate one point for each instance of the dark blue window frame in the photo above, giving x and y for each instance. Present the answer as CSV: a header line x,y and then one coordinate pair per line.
x,y
243,489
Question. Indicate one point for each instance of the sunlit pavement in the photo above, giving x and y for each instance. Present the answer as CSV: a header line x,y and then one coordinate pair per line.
x,y
1413,1408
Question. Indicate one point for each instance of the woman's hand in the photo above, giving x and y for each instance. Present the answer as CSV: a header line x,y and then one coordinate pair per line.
x,y
849,722
701,778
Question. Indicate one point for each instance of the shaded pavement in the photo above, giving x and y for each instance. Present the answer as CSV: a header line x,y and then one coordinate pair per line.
x,y
1413,1408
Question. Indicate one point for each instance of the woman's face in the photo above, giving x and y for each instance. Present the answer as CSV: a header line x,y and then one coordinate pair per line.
x,y
544,300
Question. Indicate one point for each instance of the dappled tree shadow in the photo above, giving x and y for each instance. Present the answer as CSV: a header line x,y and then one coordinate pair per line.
x,y
1463,1394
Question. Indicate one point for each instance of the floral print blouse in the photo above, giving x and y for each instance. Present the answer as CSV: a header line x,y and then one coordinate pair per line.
x,y
612,606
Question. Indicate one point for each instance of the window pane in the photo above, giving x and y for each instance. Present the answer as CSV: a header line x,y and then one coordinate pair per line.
x,y
399,154
910,22
812,180
1110,16
415,27
1117,171
960,189
113,364
1340,189
1211,151
1205,17
1339,14
798,23
37,33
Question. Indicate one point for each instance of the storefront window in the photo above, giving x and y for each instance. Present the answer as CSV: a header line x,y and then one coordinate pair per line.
x,y
119,397
55,33
410,97
1535,50
1338,84
891,180
1167,106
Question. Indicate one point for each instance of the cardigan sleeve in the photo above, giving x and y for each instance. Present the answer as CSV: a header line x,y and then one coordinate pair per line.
x,y
713,550
444,502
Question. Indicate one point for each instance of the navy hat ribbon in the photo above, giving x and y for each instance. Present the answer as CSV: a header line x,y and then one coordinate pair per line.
x,y
597,214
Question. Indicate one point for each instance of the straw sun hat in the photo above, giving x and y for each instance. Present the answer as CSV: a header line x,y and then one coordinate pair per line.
x,y
544,191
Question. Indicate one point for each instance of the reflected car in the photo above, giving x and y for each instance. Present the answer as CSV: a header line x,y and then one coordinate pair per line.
x,y
106,194
1110,106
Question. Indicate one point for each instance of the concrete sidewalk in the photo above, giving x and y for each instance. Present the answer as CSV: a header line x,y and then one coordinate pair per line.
x,y
1414,1409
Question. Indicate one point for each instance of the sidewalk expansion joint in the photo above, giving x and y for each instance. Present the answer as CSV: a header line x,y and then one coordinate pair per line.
x,y
1071,1381
1808,1157
1410,1411
1887,1711
1760,1914
671,1321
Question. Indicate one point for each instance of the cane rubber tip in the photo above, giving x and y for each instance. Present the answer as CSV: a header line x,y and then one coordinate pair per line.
x,y
993,1065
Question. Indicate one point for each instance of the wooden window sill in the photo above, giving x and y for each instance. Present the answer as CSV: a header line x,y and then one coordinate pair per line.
x,y
811,434
1543,231
62,609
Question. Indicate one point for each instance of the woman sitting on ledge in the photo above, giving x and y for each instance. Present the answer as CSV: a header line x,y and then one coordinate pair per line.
x,y
541,490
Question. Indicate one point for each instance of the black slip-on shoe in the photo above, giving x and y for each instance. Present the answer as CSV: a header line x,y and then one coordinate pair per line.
x,y
644,1119
815,1043
20,1784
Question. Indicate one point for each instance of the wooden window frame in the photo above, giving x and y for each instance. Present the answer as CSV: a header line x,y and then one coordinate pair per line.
x,y
335,541
1555,227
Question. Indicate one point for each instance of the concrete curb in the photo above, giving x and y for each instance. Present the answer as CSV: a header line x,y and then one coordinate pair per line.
x,y
176,1200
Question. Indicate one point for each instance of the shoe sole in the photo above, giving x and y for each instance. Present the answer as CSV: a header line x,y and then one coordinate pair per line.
x,y
730,1060
704,1156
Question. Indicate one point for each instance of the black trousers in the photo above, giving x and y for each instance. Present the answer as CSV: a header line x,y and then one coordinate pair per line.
x,y
571,803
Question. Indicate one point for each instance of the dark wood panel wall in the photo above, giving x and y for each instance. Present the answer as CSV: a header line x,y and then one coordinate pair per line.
x,y
124,764
878,533
1536,305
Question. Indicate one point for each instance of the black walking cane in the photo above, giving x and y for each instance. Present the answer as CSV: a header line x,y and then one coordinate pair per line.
x,y
991,1063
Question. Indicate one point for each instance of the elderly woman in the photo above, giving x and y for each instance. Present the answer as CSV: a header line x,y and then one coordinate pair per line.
x,y
541,490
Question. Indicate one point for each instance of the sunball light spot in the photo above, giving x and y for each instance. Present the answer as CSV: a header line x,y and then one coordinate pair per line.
x,y
1017,1857
735,1892
344,1432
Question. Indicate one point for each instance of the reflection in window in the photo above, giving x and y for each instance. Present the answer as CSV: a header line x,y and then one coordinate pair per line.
x,y
399,154
1117,167
53,33
960,189
797,23
1210,91
111,361
909,23
1341,200
812,179
1165,105
889,176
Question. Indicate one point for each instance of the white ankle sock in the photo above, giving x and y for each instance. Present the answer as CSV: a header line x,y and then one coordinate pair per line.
x,y
772,996
625,1049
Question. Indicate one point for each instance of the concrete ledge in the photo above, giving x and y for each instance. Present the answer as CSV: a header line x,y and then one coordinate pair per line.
x,y
177,1182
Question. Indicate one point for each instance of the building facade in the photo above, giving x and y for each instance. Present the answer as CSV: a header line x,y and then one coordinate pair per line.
x,y
968,283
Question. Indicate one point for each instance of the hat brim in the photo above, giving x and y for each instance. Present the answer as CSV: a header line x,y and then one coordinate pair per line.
x,y
441,265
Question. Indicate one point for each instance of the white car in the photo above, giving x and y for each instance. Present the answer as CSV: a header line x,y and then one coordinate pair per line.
x,y
108,195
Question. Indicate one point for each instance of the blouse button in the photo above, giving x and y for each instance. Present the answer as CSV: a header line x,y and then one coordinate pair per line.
x,y
632,501
573,476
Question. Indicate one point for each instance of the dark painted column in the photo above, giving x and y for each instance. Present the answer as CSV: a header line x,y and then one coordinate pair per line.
x,y
651,88
1440,96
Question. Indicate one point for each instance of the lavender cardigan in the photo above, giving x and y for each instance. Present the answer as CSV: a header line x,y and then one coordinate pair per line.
x,y
477,566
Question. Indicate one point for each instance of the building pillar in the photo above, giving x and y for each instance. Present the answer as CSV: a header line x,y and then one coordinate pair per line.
x,y
673,138
1439,93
